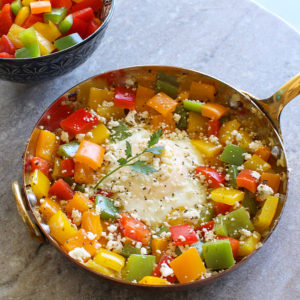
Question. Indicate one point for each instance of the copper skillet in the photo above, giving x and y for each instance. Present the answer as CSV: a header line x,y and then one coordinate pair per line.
x,y
267,111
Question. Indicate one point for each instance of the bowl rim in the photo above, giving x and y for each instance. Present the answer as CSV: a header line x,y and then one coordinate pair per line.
x,y
179,286
53,55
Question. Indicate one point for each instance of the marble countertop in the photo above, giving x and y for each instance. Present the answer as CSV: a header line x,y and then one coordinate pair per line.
x,y
233,40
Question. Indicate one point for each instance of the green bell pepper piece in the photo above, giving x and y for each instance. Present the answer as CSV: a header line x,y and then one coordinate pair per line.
x,y
182,123
192,105
56,15
233,155
250,203
129,249
162,229
68,150
138,266
218,255
28,51
68,41
233,173
237,220
220,227
66,24
207,213
16,6
167,84
28,37
178,251
107,209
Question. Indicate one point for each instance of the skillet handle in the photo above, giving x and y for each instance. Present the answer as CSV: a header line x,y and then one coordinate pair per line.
x,y
32,229
275,104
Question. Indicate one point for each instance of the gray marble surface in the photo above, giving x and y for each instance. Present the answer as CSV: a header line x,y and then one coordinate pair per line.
x,y
233,40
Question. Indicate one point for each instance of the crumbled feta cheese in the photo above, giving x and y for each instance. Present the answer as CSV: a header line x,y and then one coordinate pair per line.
x,y
253,146
107,103
247,155
79,254
143,251
213,139
255,174
64,136
165,270
76,216
182,238
264,190
138,245
112,228
176,117
91,236
80,136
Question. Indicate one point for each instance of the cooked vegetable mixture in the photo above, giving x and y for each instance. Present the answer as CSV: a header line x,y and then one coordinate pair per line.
x,y
157,181
30,28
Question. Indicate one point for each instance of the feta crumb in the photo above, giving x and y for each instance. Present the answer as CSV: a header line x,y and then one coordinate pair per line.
x,y
80,136
176,117
64,136
79,254
91,236
143,251
165,270
247,155
253,146
213,139
76,216
182,238
264,190
255,174
112,228
138,245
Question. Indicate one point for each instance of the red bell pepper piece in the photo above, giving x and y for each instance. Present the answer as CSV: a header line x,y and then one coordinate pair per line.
x,y
165,259
246,180
222,208
61,3
67,167
3,2
6,19
92,27
32,19
6,45
205,228
214,178
55,114
86,14
213,127
40,164
80,27
134,229
235,244
61,190
6,55
183,235
94,4
124,97
79,121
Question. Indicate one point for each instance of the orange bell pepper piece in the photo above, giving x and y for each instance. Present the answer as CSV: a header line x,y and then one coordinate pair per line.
x,y
46,145
246,180
40,7
165,122
79,202
213,110
264,152
90,154
272,180
162,103
188,266
202,91
90,222
143,94
84,174
48,208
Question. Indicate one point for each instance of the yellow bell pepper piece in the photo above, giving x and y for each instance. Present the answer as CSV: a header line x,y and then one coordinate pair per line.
x,y
109,259
46,145
152,280
61,228
27,2
111,112
143,94
227,195
256,163
207,148
48,208
40,183
196,123
248,245
161,245
225,133
46,46
266,214
13,35
22,15
56,173
188,266
49,31
97,96
202,91
98,135
100,269
245,139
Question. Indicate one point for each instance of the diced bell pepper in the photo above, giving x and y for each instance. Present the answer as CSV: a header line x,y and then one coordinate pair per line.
x,y
213,177
227,195
207,148
124,97
22,15
56,15
233,155
90,222
162,103
16,6
152,280
256,163
248,245
98,96
49,31
65,25
39,183
48,208
202,91
107,209
110,260
61,190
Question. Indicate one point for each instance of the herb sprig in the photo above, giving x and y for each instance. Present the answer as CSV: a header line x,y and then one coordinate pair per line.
x,y
139,166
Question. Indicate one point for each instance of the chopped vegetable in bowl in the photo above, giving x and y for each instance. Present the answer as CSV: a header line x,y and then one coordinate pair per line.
x,y
36,28
155,180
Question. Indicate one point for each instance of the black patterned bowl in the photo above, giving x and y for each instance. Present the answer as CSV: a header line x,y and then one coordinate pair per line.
x,y
29,70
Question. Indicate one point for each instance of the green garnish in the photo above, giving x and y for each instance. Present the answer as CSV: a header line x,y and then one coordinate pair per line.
x,y
139,166
120,133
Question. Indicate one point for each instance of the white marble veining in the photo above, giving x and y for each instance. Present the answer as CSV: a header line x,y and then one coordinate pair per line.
x,y
233,40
